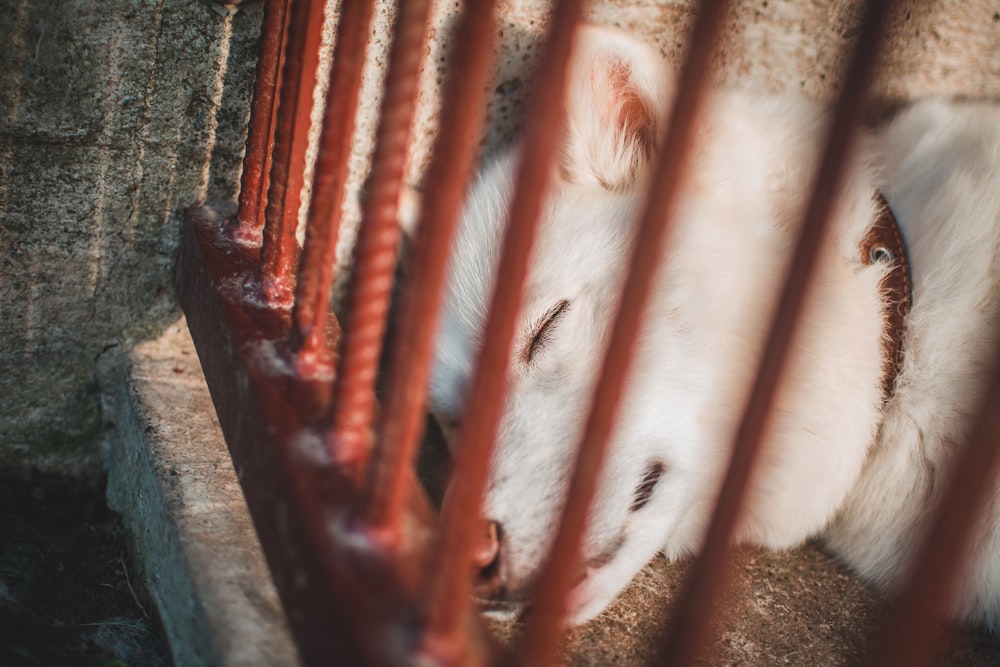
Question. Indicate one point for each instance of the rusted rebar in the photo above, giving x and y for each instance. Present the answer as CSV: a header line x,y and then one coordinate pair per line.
x,y
263,113
450,587
312,296
541,637
377,244
288,161
708,578
461,125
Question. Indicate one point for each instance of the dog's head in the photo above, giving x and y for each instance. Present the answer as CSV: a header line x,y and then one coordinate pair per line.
x,y
693,365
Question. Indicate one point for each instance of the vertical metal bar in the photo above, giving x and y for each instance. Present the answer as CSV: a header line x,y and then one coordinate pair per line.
x,y
263,112
541,637
708,578
291,134
312,296
461,126
263,425
913,632
374,263
450,586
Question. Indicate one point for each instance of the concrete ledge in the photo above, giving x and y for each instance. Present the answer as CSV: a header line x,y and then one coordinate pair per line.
x,y
171,478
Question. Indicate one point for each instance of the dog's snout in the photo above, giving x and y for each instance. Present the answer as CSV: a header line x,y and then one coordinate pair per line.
x,y
486,559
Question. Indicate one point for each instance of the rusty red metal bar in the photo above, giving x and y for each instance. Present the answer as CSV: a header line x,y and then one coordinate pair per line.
x,y
315,278
347,601
708,578
377,244
450,588
541,637
913,632
263,112
279,248
461,126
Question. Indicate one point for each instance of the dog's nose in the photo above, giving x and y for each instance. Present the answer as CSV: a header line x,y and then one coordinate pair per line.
x,y
487,549
486,560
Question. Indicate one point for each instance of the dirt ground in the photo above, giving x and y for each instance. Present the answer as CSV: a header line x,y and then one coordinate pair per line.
x,y
797,607
68,593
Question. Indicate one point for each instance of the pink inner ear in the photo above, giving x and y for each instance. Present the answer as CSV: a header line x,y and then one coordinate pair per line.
x,y
628,110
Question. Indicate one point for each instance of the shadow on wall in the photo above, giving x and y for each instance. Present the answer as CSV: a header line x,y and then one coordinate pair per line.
x,y
112,120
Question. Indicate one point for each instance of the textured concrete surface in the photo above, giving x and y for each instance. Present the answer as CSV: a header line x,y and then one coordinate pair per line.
x,y
113,117
171,479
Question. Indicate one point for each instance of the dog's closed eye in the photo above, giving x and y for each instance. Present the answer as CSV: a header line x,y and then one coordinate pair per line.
x,y
644,490
541,332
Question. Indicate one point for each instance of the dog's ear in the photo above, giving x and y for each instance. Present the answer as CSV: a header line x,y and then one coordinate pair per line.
x,y
615,104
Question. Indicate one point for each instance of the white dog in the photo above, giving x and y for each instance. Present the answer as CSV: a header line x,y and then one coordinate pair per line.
x,y
855,449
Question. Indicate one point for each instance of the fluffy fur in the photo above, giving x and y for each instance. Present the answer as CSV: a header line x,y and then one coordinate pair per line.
x,y
839,461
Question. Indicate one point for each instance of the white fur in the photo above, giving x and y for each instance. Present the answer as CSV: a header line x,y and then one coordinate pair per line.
x,y
834,449
942,176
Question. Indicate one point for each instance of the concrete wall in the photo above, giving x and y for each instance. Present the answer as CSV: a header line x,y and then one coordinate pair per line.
x,y
114,116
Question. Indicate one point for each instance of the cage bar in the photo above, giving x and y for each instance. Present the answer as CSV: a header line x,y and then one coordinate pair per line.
x,y
279,248
450,594
347,600
461,124
315,276
542,633
263,112
708,579
374,261
261,416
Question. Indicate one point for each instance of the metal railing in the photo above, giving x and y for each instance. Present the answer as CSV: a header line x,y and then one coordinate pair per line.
x,y
329,478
